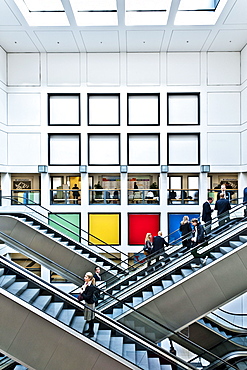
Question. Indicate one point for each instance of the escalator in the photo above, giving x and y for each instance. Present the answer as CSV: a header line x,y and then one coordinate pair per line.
x,y
44,240
43,328
181,293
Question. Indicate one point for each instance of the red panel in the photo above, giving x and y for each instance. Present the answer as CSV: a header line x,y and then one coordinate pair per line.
x,y
140,224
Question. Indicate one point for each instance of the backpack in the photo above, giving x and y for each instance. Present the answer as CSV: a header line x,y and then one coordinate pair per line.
x,y
96,294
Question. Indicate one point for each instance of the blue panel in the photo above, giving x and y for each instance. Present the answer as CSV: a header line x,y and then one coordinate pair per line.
x,y
174,220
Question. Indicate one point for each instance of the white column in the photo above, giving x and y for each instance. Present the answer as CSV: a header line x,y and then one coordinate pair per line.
x,y
6,188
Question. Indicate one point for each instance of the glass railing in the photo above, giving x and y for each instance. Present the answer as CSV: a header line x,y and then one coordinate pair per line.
x,y
65,196
183,196
29,197
231,195
105,196
143,196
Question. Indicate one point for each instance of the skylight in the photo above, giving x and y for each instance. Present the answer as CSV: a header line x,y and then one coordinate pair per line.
x,y
95,12
43,12
146,12
199,12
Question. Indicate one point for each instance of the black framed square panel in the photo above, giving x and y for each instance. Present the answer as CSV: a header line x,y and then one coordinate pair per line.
x,y
64,110
183,108
103,149
143,109
183,149
143,149
103,109
64,149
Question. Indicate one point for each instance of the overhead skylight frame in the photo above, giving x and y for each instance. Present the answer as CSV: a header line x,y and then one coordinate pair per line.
x,y
43,12
95,12
190,13
147,12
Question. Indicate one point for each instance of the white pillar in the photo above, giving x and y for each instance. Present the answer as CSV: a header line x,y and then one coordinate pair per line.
x,y
6,188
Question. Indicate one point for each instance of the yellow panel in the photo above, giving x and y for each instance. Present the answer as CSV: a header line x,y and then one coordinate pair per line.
x,y
105,227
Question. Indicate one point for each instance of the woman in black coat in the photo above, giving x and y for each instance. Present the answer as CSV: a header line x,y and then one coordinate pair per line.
x,y
86,294
186,229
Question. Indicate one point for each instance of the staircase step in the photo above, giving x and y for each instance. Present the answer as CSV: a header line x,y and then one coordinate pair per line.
x,y
54,309
42,301
104,337
129,352
7,280
18,287
66,316
116,345
29,295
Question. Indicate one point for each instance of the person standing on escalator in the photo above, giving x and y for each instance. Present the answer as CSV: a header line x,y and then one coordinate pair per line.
x,y
86,294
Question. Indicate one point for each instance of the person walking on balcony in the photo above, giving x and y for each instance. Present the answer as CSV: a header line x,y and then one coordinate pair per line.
x,y
76,193
207,214
223,207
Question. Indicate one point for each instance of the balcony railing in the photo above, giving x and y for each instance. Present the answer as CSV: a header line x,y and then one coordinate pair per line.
x,y
65,196
183,196
143,196
29,197
231,195
105,196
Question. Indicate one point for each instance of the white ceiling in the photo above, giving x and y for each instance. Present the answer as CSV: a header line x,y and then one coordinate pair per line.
x,y
228,34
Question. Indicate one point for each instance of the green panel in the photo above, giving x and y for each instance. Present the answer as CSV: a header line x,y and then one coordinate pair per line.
x,y
64,222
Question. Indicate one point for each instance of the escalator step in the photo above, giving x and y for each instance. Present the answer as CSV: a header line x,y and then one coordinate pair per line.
x,y
137,300
18,287
176,278
167,283
225,250
116,345
154,363
142,359
1,271
216,255
66,316
157,288
78,323
29,295
117,312
129,352
186,272
42,301
7,280
54,308
104,337
146,295
235,244
243,238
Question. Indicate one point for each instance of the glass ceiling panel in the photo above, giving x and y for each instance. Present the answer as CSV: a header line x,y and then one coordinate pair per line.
x,y
95,12
146,12
43,12
199,16
44,5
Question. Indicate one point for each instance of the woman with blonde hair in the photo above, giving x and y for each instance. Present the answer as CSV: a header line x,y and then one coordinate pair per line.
x,y
186,229
86,294
148,246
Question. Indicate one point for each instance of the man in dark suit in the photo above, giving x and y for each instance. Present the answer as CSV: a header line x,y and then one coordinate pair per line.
x,y
207,214
158,245
223,207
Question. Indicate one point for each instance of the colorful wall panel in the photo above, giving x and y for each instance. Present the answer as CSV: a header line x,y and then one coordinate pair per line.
x,y
140,224
66,221
174,220
106,227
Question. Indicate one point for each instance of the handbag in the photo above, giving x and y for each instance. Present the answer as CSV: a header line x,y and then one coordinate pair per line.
x,y
146,250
